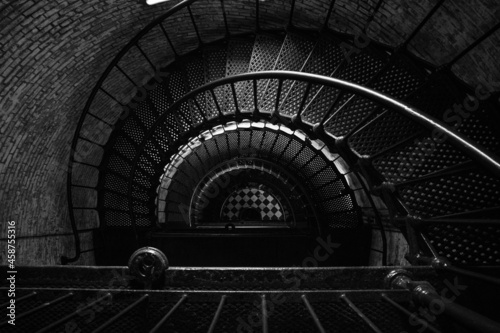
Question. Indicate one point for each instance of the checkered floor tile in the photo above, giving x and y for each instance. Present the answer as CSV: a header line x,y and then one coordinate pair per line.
x,y
265,203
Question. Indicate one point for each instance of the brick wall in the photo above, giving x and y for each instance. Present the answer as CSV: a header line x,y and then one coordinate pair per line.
x,y
52,54
455,25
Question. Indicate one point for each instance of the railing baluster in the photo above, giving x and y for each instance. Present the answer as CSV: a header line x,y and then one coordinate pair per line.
x,y
40,307
217,106
32,294
168,40
303,101
145,56
471,274
284,149
73,314
470,212
237,110
217,314
255,98
395,146
308,162
257,16
313,314
265,328
360,314
179,123
290,18
378,220
372,15
86,164
474,44
274,143
188,187
88,140
297,154
200,42
329,14
224,15
312,99
422,322
111,96
200,110
158,326
126,75
422,23
458,168
427,242
327,117
442,264
121,314
448,221
83,186
100,119
365,122
278,94
318,171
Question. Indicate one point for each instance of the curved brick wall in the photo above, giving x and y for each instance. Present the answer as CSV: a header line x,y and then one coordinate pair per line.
x,y
53,53
452,28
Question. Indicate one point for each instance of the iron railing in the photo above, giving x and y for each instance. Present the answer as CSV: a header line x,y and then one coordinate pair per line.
x,y
471,149
475,152
360,299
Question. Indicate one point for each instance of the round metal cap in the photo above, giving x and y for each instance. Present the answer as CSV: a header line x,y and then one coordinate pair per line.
x,y
147,263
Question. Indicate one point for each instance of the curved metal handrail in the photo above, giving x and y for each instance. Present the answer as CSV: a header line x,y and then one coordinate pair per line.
x,y
473,150
470,148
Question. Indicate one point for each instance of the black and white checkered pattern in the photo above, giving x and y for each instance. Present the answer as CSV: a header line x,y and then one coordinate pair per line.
x,y
269,208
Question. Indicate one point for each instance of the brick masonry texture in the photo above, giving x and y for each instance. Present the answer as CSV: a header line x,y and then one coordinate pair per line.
x,y
53,53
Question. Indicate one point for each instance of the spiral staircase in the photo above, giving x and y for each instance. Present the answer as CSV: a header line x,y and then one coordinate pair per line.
x,y
257,138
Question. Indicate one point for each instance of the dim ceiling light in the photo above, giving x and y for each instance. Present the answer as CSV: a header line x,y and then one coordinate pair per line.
x,y
154,2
